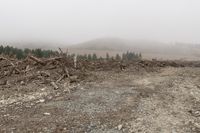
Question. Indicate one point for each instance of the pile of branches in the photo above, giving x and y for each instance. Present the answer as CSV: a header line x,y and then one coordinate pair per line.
x,y
43,70
145,64
56,70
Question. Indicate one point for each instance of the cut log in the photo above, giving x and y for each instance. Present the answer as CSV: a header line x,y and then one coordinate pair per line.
x,y
53,59
37,60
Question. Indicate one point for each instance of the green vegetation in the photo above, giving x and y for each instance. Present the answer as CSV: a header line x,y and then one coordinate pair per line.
x,y
128,56
118,57
23,53
131,56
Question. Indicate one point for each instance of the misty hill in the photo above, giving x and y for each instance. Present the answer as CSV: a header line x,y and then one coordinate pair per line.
x,y
101,46
104,44
147,47
122,45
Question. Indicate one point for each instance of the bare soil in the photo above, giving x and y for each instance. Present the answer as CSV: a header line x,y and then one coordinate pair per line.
x,y
166,100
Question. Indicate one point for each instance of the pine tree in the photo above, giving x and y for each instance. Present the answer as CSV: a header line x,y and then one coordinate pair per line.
x,y
94,57
19,54
118,57
107,56
140,55
1,49
89,57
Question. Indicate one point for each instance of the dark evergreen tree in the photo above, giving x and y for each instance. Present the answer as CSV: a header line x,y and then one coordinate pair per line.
x,y
94,57
89,57
140,55
118,57
107,56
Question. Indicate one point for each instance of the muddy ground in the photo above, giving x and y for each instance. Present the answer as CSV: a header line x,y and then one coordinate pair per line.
x,y
112,101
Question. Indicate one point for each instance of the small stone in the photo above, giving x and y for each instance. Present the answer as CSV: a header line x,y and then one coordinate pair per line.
x,y
117,92
49,97
82,88
46,113
43,89
22,83
41,100
119,127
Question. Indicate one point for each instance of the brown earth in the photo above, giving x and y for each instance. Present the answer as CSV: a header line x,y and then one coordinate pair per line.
x,y
145,97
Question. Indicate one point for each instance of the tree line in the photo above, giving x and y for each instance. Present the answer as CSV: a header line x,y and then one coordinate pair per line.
x,y
125,56
23,53
40,53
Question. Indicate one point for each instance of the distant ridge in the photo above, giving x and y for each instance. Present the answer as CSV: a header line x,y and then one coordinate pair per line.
x,y
103,44
146,47
119,44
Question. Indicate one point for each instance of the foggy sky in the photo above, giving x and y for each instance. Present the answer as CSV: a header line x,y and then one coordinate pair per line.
x,y
73,21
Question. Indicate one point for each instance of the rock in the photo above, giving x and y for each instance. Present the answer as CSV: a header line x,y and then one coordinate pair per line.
x,y
46,113
82,88
22,83
119,127
49,97
43,89
41,100
117,92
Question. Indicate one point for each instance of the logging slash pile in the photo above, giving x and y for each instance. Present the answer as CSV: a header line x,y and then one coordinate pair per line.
x,y
44,71
53,71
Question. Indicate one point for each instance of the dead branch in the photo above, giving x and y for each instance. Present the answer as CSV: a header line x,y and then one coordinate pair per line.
x,y
61,51
54,85
62,77
66,71
37,60
52,59
12,64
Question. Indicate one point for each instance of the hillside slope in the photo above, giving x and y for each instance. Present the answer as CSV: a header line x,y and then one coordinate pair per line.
x,y
152,49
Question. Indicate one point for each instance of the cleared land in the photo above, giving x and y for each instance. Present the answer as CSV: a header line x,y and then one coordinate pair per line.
x,y
145,97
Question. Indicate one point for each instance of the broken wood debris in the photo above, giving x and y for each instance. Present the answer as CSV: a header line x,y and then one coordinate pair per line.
x,y
55,71
37,60
54,85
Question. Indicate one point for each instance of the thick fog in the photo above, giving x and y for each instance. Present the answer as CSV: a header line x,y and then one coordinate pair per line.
x,y
73,21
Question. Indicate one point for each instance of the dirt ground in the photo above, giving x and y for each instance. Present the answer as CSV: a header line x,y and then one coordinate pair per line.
x,y
163,101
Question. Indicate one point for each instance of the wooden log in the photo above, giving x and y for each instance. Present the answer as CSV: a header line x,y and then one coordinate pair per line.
x,y
37,60
53,59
